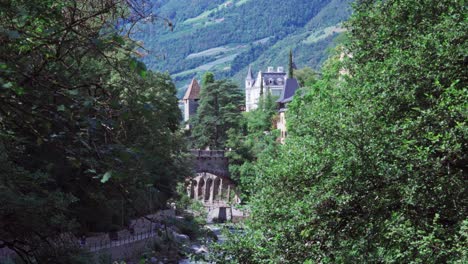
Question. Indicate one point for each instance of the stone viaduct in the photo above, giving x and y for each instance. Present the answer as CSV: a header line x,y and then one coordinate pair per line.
x,y
211,183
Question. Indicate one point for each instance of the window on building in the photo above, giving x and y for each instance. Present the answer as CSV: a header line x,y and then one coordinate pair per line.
x,y
276,92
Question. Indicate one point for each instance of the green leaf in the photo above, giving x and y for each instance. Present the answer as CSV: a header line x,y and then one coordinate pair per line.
x,y
61,108
88,103
7,85
143,73
106,177
118,39
133,64
72,92
18,90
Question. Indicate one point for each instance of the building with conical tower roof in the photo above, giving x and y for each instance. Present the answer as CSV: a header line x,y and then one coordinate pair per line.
x,y
273,82
190,100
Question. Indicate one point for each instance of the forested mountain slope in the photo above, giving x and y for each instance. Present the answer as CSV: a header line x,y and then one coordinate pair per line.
x,y
225,36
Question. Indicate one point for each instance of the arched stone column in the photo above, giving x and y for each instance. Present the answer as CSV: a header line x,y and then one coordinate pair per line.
x,y
192,187
216,183
226,190
220,195
188,186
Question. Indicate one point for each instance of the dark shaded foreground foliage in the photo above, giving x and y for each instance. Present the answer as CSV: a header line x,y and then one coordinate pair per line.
x,y
88,137
375,168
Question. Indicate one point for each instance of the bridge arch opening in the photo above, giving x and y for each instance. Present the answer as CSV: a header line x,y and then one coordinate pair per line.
x,y
212,189
201,189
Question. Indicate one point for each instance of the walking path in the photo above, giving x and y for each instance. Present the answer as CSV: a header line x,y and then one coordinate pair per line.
x,y
94,247
144,229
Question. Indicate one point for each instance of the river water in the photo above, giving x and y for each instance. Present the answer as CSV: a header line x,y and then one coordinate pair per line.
x,y
217,230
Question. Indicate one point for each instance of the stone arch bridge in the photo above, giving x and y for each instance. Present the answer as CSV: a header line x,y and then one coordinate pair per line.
x,y
211,183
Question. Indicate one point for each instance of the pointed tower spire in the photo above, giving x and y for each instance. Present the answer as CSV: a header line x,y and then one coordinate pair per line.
x,y
249,74
191,97
193,91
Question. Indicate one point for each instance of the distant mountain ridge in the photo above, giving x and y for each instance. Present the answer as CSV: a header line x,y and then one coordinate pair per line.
x,y
225,36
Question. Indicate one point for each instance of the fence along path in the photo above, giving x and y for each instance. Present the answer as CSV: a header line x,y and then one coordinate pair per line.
x,y
106,244
145,229
101,245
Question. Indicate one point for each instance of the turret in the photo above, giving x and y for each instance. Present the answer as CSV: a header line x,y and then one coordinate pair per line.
x,y
191,98
249,80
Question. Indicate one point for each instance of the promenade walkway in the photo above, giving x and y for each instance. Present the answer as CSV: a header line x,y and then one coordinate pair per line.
x,y
144,229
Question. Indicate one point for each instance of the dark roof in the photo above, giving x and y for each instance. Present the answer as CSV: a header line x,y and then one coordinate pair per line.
x,y
290,88
249,74
193,91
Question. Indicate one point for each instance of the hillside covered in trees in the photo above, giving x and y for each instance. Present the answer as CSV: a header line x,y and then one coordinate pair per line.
x,y
225,36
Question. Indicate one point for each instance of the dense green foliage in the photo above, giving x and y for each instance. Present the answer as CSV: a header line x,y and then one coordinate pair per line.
x,y
306,77
218,112
246,58
255,137
88,137
375,167
244,32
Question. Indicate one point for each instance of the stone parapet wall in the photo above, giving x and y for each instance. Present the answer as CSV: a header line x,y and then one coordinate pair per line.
x,y
207,153
211,161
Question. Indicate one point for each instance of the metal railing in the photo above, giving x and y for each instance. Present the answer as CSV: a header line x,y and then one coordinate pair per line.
x,y
101,245
105,244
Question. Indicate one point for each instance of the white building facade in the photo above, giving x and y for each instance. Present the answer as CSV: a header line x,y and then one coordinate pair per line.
x,y
273,82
